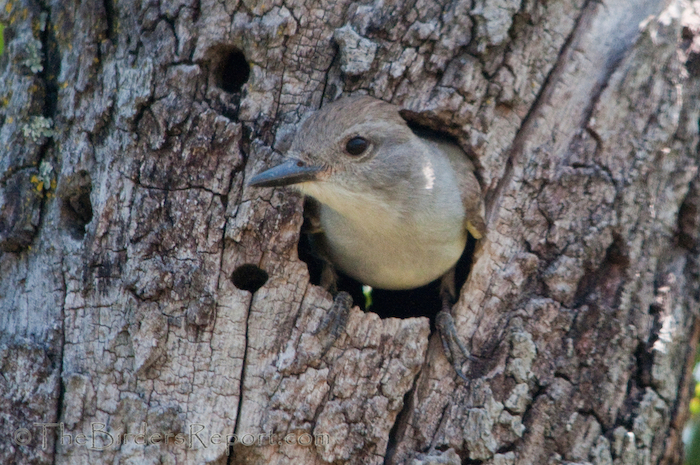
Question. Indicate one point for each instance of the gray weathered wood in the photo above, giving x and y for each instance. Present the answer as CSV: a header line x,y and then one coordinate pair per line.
x,y
124,215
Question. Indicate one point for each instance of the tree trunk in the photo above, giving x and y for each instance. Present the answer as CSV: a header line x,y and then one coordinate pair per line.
x,y
152,304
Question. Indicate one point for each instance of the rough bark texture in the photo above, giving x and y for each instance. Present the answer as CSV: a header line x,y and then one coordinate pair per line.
x,y
125,221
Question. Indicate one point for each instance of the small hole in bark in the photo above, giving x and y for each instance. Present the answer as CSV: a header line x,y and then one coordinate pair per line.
x,y
249,277
423,301
234,71
76,206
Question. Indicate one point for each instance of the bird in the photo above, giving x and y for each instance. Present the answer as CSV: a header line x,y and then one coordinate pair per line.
x,y
390,207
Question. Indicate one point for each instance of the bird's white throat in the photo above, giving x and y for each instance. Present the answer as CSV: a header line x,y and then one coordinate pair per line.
x,y
382,245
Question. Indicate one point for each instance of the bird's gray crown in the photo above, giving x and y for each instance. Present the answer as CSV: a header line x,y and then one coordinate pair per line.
x,y
323,135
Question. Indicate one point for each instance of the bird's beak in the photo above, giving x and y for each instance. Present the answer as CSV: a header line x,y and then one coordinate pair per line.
x,y
292,171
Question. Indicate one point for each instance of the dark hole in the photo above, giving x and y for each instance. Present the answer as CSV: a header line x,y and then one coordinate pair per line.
x,y
692,64
234,71
249,277
686,33
76,206
423,301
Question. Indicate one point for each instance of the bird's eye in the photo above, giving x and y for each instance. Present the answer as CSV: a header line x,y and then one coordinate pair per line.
x,y
356,146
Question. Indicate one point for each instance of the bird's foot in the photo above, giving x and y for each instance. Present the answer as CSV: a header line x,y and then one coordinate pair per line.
x,y
334,322
455,351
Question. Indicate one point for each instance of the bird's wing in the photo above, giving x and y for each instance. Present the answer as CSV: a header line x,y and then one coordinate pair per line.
x,y
473,202
469,189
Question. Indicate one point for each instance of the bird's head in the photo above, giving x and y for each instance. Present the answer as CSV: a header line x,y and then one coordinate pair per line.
x,y
354,147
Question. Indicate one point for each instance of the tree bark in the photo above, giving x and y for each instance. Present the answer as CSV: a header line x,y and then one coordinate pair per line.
x,y
151,301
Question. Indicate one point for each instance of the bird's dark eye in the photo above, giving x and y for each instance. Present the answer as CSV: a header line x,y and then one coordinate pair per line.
x,y
357,145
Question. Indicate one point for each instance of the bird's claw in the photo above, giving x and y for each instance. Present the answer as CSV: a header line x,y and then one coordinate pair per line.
x,y
334,322
455,351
